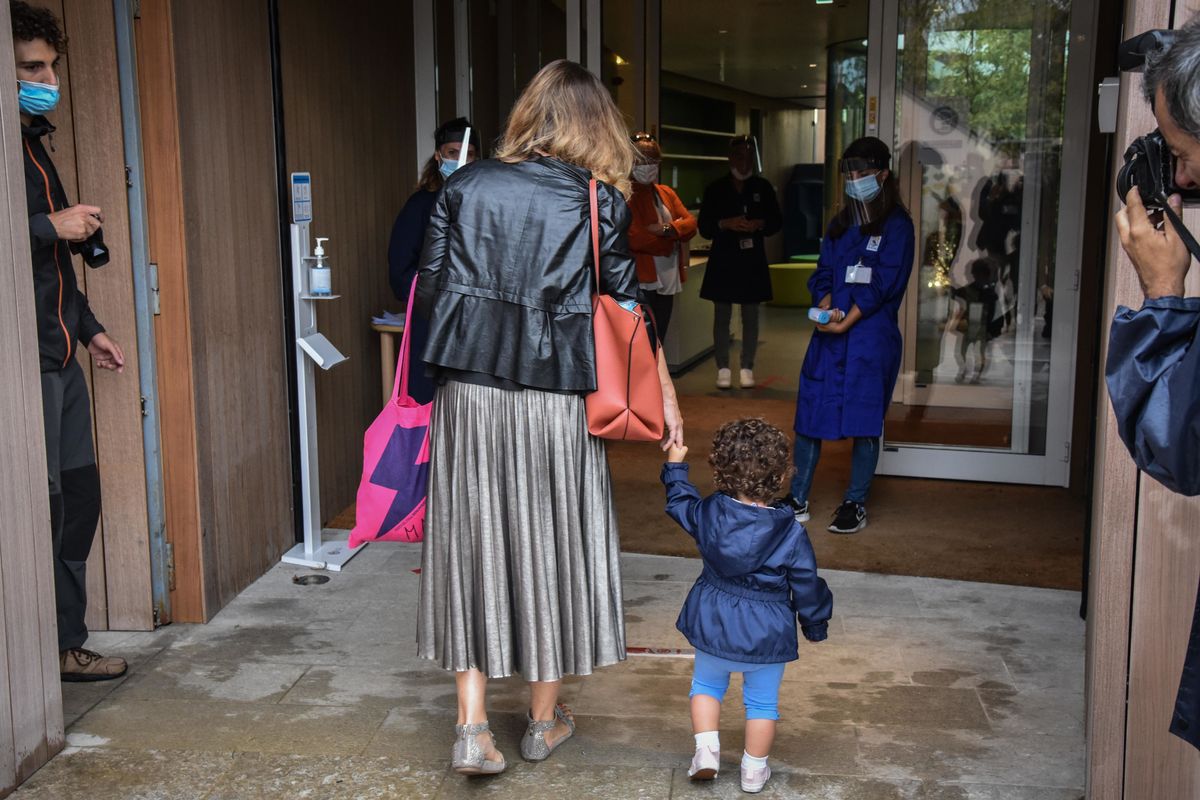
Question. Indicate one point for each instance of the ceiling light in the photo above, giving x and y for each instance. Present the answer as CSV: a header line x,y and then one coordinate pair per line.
x,y
824,2
814,66
722,31
620,61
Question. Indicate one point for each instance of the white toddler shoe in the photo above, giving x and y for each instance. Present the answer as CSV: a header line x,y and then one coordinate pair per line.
x,y
705,764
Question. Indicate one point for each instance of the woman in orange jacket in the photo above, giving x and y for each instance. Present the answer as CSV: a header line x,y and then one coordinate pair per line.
x,y
658,233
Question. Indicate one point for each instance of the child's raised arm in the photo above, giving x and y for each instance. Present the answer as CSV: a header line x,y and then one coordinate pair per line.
x,y
683,501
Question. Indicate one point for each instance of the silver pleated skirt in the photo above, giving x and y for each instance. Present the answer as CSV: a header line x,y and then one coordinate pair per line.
x,y
520,570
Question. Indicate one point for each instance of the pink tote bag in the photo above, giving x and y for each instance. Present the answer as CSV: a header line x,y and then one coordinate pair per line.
x,y
395,477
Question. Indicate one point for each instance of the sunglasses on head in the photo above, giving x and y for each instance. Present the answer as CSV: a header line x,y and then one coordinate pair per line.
x,y
643,137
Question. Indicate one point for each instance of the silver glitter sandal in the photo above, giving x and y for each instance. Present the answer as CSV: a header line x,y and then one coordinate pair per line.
x,y
533,744
468,757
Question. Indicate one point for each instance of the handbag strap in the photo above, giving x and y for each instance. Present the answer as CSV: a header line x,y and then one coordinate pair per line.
x,y
400,385
595,232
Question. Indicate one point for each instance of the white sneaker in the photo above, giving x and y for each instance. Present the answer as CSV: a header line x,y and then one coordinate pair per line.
x,y
755,778
705,764
747,379
724,378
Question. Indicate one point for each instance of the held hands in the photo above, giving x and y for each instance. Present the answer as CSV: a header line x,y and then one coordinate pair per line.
x,y
676,455
740,224
1160,257
106,354
839,323
76,223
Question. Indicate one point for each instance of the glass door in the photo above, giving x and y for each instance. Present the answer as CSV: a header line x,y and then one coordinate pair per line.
x,y
978,113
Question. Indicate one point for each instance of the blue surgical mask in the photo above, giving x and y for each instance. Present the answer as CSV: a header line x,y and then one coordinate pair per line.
x,y
447,167
864,189
37,98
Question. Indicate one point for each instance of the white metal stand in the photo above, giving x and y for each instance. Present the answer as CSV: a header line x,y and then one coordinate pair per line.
x,y
311,349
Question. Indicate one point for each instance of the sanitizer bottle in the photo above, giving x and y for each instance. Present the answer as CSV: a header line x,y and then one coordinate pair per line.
x,y
319,281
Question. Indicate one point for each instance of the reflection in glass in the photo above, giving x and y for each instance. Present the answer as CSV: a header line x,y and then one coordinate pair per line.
x,y
980,101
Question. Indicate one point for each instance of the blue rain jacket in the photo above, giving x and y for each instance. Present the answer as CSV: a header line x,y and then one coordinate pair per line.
x,y
759,577
847,379
1153,376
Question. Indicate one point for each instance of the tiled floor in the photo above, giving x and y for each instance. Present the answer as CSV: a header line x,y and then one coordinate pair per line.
x,y
925,689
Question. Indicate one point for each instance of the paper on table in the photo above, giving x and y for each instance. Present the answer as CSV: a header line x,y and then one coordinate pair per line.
x,y
388,318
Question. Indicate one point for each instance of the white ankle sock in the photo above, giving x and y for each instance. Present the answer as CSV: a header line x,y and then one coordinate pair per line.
x,y
710,739
751,762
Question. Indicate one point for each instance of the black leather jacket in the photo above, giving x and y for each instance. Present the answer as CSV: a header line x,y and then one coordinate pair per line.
x,y
506,272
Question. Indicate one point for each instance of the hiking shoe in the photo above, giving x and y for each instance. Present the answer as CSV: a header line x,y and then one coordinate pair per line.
x,y
851,517
755,778
799,510
82,666
705,764
724,378
746,379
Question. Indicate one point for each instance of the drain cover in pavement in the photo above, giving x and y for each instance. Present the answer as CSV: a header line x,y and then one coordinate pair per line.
x,y
310,580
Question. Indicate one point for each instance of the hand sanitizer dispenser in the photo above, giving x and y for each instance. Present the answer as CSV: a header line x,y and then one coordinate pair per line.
x,y
319,281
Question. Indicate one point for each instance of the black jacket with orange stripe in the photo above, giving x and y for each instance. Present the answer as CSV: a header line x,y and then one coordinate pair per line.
x,y
63,316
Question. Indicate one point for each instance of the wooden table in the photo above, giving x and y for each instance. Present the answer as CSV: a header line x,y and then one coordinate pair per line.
x,y
387,356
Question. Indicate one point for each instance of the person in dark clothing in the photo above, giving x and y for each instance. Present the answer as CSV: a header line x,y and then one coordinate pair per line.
x,y
976,306
1153,369
737,213
408,236
56,230
759,579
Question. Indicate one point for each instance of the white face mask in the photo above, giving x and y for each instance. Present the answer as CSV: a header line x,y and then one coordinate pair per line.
x,y
646,173
741,176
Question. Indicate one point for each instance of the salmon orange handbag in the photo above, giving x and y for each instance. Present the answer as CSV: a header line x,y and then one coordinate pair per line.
x,y
628,401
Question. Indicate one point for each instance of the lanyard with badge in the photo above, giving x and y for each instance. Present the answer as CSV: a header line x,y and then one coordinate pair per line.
x,y
858,273
747,242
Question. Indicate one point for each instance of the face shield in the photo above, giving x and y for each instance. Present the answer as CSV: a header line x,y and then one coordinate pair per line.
x,y
863,188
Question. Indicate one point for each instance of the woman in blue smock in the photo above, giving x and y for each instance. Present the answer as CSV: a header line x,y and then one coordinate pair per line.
x,y
852,363
408,236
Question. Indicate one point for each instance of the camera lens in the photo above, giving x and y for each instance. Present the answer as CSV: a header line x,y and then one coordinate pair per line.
x,y
94,251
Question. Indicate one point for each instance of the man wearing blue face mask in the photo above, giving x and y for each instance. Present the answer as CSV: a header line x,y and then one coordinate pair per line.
x,y
56,230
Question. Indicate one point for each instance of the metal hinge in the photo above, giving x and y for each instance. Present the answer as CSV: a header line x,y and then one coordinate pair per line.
x,y
1067,452
1077,279
155,299
145,413
128,177
170,566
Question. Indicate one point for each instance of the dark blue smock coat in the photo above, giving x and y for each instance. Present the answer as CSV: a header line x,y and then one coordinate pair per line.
x,y
847,379
404,257
759,578
1153,376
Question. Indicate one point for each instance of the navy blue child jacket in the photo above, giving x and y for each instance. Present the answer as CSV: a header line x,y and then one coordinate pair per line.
x,y
759,578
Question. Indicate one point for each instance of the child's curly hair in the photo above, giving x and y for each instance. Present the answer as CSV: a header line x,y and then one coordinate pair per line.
x,y
751,458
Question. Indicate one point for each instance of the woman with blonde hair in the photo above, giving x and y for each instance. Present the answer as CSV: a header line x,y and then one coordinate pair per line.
x,y
520,569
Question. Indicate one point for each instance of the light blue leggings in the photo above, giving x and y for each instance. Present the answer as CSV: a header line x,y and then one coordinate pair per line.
x,y
760,683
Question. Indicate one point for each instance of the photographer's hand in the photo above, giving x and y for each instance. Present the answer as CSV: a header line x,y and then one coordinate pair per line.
x,y
76,223
1159,256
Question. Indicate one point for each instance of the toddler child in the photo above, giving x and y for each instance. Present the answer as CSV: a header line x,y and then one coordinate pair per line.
x,y
759,576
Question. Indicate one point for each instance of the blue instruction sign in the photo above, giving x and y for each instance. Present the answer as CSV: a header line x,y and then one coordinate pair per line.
x,y
301,197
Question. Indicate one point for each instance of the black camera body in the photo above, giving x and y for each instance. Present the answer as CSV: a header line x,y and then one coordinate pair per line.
x,y
1150,166
94,250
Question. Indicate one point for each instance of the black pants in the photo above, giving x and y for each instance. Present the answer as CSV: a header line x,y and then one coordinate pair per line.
x,y
74,495
661,306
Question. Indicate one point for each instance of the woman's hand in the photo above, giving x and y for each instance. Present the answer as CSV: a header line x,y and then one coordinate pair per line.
x,y
843,323
672,419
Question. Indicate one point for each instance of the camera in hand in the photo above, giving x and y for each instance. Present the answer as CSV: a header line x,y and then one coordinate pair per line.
x,y
1149,164
93,250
